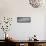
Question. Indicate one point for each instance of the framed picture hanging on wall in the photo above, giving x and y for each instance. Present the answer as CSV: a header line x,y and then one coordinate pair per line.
x,y
23,19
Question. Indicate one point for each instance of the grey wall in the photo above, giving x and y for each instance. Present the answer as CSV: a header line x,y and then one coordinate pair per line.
x,y
22,8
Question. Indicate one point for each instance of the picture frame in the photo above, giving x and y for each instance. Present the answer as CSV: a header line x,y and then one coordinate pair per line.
x,y
23,19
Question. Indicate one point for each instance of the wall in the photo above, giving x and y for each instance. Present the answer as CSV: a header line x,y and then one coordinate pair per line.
x,y
15,8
